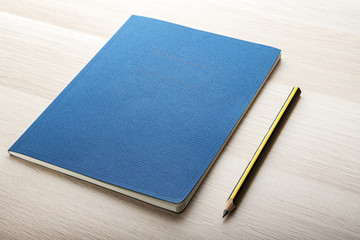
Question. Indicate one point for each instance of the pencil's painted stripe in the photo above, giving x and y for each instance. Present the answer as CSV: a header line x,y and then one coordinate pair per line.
x,y
264,141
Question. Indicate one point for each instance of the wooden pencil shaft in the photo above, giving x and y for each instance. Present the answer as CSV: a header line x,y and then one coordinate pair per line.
x,y
265,145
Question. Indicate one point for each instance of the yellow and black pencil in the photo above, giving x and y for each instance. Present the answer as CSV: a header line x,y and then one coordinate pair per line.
x,y
234,198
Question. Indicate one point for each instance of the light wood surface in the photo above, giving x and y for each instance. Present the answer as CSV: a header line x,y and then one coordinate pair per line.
x,y
307,188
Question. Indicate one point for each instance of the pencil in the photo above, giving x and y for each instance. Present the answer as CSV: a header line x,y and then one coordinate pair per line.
x,y
234,197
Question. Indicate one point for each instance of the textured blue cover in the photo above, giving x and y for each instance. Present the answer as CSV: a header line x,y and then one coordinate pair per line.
x,y
151,110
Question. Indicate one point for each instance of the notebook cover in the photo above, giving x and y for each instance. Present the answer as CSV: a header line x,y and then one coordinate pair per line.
x,y
152,109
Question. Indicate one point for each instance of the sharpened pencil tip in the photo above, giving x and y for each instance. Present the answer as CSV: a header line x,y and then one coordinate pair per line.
x,y
225,213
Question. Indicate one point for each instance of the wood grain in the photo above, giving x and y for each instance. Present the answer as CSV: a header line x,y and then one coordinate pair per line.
x,y
307,188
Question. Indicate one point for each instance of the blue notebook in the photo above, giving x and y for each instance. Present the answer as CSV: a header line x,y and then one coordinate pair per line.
x,y
151,112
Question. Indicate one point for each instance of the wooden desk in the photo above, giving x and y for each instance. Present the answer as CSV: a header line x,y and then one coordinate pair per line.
x,y
307,188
